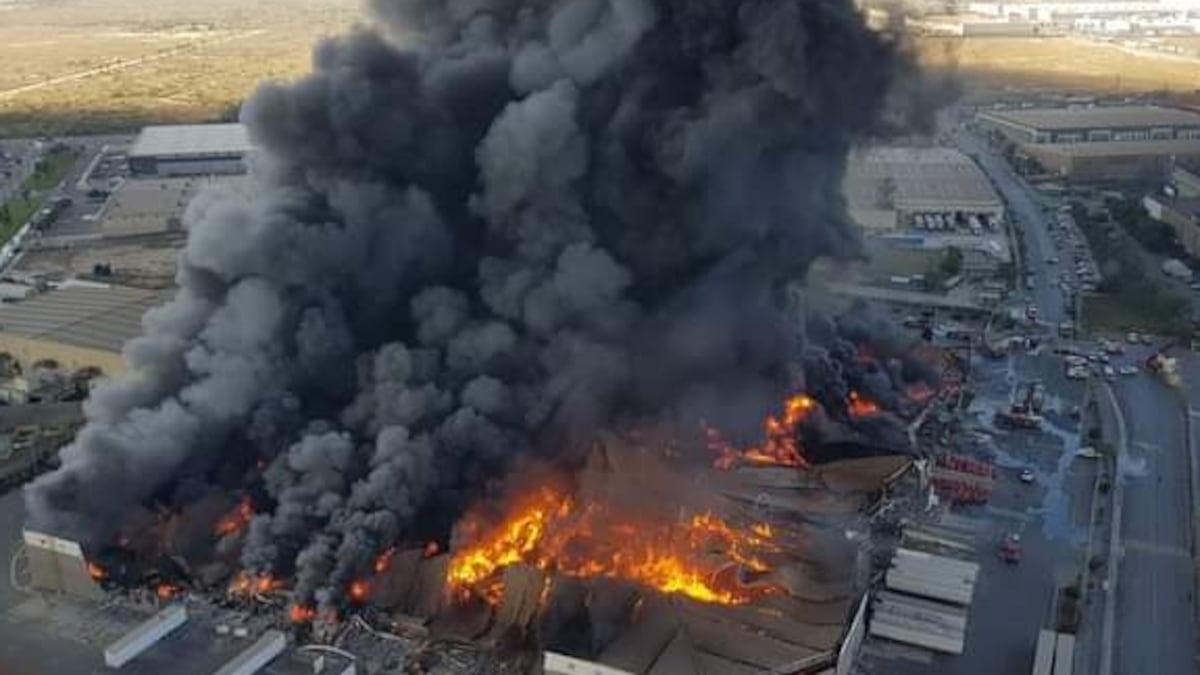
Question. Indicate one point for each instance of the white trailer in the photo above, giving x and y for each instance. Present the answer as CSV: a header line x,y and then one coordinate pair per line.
x,y
957,593
145,635
1064,654
920,633
1043,657
256,656
909,559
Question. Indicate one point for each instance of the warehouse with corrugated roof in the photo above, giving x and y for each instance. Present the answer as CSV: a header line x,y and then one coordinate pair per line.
x,y
75,327
887,187
1092,124
190,150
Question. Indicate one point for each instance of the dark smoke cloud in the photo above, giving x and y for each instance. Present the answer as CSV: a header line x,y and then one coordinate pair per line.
x,y
482,228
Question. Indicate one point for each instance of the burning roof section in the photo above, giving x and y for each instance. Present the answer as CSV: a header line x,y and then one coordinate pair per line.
x,y
484,232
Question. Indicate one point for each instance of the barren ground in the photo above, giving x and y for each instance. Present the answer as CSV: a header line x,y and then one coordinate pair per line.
x,y
1063,64
99,65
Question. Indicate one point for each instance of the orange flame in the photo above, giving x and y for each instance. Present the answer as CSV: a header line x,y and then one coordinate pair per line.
x,y
96,572
359,591
553,532
266,583
861,406
166,591
918,392
780,447
431,549
301,613
383,562
236,520
245,584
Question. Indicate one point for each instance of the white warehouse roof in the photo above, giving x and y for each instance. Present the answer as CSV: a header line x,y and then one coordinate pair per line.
x,y
192,140
916,178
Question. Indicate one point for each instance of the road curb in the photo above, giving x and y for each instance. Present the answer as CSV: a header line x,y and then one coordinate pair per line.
x,y
1194,493
1114,543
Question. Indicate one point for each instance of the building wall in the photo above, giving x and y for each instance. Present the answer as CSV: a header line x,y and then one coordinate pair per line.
x,y
1105,169
874,220
1186,227
1017,133
1023,134
1186,182
28,351
199,166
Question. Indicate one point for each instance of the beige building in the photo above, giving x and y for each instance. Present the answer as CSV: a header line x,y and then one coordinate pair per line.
x,y
1098,124
1113,161
74,328
886,188
154,205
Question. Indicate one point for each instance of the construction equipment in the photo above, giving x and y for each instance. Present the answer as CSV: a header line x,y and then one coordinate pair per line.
x,y
1024,412
1010,549
1165,366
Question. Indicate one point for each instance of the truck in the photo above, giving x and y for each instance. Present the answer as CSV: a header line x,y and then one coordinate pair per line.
x,y
1025,410
1165,367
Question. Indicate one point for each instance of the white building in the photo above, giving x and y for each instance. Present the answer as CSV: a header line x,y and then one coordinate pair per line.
x,y
190,150
887,189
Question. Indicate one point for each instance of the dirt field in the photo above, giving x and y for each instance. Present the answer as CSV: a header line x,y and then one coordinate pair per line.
x,y
1060,64
147,263
100,65
89,65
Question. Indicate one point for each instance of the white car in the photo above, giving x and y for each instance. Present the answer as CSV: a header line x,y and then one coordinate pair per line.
x,y
1087,452
1077,373
1128,370
1109,373
1027,476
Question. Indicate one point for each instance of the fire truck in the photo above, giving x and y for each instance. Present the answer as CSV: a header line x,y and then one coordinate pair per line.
x,y
1165,366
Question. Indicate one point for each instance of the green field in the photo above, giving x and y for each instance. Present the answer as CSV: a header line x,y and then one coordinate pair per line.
x,y
49,172
1124,313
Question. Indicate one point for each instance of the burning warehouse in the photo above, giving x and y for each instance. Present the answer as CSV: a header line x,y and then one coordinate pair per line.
x,y
487,236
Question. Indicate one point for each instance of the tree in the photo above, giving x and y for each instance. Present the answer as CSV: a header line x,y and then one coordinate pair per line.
x,y
952,262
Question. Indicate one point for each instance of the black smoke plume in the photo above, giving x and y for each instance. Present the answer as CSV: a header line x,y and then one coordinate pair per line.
x,y
481,229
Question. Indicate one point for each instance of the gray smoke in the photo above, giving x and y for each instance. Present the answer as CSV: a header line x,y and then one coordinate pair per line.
x,y
483,228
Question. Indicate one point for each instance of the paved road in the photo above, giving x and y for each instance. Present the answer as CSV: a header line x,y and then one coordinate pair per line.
x,y
1012,603
1032,225
1155,620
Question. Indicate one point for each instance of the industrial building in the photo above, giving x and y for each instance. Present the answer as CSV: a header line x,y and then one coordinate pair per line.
x,y
894,188
1112,161
190,150
150,206
964,25
73,328
1113,124
1178,205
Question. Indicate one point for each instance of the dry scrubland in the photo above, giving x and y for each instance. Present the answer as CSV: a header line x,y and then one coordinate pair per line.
x,y
187,61
192,60
1062,64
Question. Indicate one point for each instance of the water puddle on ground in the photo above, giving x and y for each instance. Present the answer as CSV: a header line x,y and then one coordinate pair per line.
x,y
1011,449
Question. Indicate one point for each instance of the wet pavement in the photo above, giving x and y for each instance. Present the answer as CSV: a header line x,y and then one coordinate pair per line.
x,y
1052,515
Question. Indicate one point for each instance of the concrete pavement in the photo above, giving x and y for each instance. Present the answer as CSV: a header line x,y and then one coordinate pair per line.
x,y
1150,621
1031,223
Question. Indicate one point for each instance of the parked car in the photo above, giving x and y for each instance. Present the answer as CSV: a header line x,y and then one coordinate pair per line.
x,y
1128,370
1027,475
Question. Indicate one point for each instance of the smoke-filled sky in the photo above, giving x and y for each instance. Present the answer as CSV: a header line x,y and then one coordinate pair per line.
x,y
482,229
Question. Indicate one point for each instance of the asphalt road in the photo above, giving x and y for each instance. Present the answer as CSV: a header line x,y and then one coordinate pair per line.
x,y
1032,226
1155,619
